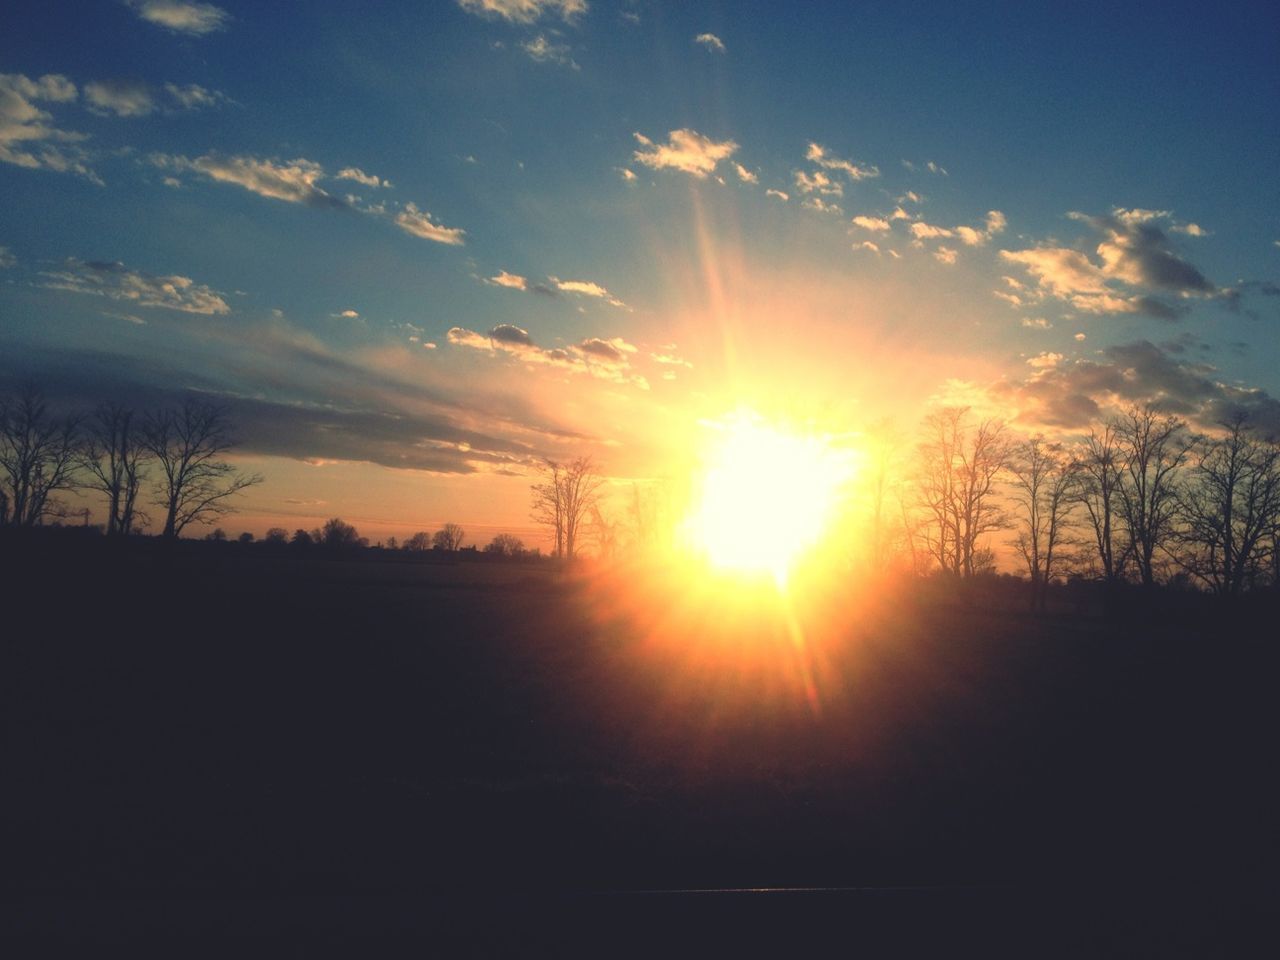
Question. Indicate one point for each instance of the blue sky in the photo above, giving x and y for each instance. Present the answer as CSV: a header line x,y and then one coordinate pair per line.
x,y
418,245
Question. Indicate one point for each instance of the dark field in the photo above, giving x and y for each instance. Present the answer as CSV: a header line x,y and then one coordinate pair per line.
x,y
203,743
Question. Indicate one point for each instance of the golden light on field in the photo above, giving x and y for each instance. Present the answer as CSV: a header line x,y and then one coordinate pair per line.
x,y
765,496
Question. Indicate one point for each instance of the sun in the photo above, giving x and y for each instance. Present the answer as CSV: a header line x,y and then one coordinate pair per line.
x,y
765,496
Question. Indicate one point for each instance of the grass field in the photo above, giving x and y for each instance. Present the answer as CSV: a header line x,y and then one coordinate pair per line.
x,y
205,722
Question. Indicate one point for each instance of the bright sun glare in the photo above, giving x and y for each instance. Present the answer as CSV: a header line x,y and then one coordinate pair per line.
x,y
765,497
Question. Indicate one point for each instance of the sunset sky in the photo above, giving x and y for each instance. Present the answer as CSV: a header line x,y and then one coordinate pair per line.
x,y
417,245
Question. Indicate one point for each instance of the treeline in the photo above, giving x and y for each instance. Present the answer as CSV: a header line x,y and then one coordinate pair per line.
x,y
338,536
1141,499
168,458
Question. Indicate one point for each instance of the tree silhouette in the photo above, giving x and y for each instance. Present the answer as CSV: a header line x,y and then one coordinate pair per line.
x,y
337,534
38,457
418,542
1043,480
959,469
1154,447
1230,508
195,486
565,498
448,538
505,545
112,456
1100,474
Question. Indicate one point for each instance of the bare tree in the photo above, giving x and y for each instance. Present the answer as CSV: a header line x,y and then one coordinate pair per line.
x,y
1230,508
195,486
1043,481
113,456
38,457
448,537
337,534
418,542
564,500
959,470
505,545
1100,475
1154,448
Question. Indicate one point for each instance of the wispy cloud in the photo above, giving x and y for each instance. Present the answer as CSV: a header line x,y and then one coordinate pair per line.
x,y
293,181
360,177
7,259
420,223
598,357
685,150
710,41
819,154
117,282
182,16
195,97
542,50
124,98
525,11
781,195
818,182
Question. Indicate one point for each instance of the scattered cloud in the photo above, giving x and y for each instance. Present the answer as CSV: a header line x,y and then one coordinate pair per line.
x,y
875,224
745,175
784,197
7,259
946,255
1190,229
1037,323
117,282
819,155
419,223
818,182
599,357
350,314
365,179
27,133
970,236
182,16
685,150
525,11
822,206
542,50
1136,250
868,246
934,168
124,98
626,174
1080,337
711,42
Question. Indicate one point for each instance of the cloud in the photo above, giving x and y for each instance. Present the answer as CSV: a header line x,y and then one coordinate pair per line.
x,y
1037,323
1075,393
293,181
510,280
784,197
818,182
27,133
182,16
945,255
1135,262
1136,250
117,282
685,150
711,42
745,175
927,231
124,98
994,223
626,174
1190,229
598,357
525,11
586,288
819,155
934,168
875,224
350,314
542,50
868,246
419,223
7,259
362,178
822,206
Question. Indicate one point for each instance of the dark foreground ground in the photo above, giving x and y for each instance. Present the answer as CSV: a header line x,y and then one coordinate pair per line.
x,y
203,746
